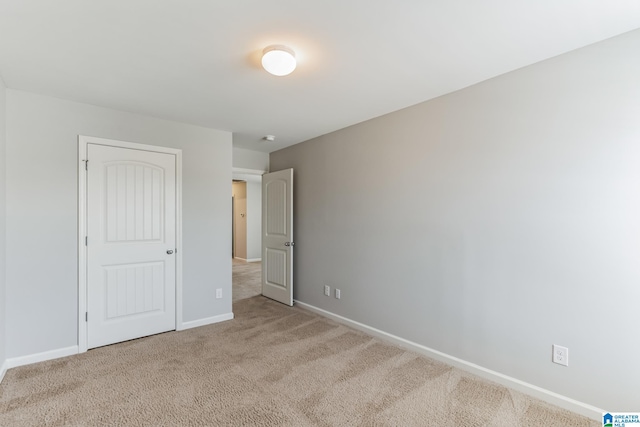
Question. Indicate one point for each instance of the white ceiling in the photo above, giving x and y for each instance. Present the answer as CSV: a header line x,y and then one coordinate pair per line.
x,y
198,61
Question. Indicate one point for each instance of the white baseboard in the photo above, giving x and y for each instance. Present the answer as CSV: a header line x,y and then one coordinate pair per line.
x,y
250,259
41,357
205,321
3,370
521,386
14,362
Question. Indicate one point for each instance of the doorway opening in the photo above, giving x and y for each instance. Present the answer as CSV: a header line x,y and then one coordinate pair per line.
x,y
246,244
129,241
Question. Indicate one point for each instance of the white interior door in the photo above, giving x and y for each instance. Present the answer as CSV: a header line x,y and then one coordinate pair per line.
x,y
277,236
131,243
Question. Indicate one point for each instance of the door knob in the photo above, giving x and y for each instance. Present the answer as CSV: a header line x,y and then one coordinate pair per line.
x,y
169,252
286,243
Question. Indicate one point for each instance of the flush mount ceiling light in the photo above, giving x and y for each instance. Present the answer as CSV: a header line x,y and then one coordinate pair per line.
x,y
278,60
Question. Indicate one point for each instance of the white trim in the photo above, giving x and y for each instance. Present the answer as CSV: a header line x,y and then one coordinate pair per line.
x,y
83,141
82,249
248,175
249,171
41,357
206,321
521,386
250,259
3,370
179,314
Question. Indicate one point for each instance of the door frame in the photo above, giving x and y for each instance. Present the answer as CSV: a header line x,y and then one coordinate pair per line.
x,y
83,142
247,175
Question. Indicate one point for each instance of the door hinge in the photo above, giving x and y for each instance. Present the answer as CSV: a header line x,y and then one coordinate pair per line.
x,y
86,316
86,240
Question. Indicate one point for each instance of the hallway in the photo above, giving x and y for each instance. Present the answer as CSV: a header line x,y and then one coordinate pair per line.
x,y
246,279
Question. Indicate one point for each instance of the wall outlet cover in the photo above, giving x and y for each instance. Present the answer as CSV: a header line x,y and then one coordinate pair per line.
x,y
560,355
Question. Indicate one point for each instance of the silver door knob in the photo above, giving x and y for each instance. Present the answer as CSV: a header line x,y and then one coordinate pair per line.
x,y
169,252
286,243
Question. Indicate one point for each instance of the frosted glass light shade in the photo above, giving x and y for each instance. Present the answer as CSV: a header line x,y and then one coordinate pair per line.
x,y
278,60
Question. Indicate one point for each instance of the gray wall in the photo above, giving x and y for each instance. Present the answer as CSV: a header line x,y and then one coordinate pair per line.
x,y
42,285
3,206
491,223
249,159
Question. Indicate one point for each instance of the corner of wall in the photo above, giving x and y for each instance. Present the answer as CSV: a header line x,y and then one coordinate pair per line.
x,y
3,139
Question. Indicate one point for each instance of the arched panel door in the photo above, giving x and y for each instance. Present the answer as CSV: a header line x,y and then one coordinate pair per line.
x,y
277,236
131,243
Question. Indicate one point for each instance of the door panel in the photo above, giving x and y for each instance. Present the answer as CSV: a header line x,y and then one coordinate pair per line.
x,y
276,198
134,196
276,268
131,228
133,290
277,236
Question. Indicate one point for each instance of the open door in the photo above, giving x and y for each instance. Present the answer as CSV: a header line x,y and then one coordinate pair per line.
x,y
277,236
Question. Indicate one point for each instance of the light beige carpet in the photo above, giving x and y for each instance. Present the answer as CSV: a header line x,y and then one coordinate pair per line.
x,y
246,279
272,365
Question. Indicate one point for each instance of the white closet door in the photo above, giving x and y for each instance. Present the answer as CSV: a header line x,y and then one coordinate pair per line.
x,y
131,232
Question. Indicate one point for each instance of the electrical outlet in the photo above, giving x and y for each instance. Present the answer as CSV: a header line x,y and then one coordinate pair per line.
x,y
218,293
338,293
560,355
327,290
